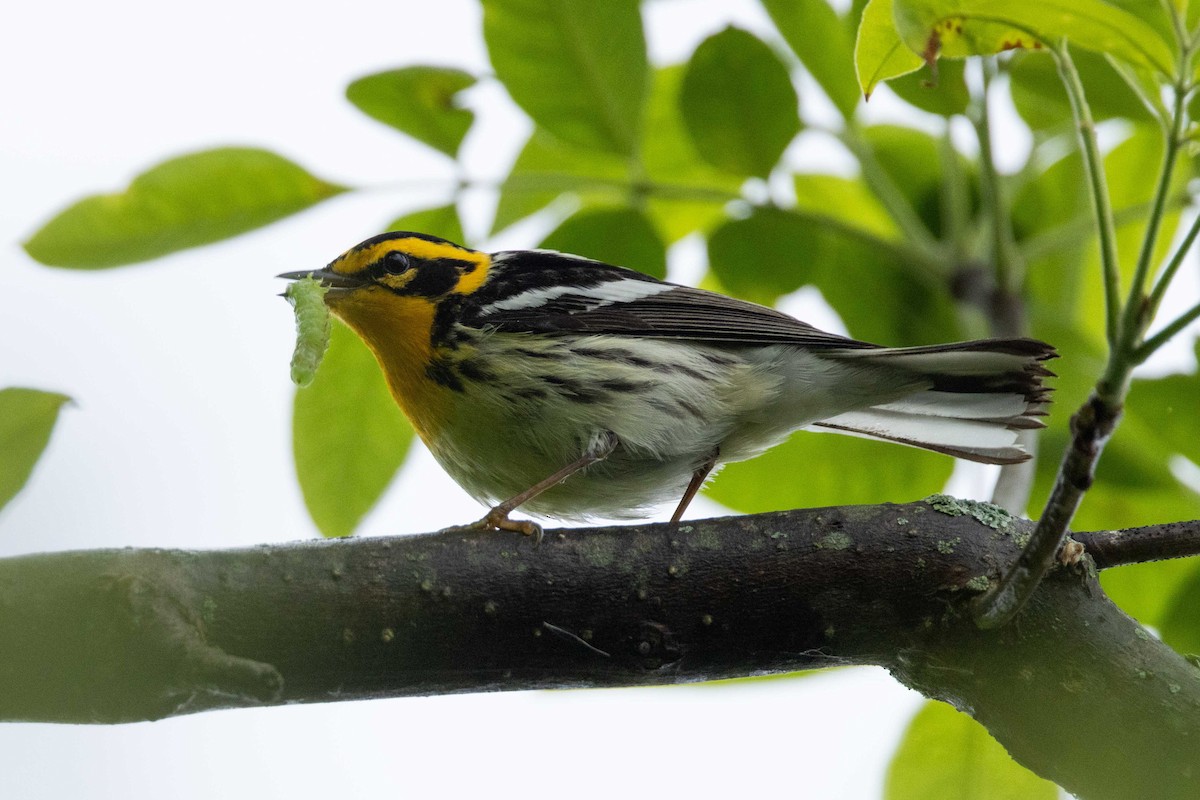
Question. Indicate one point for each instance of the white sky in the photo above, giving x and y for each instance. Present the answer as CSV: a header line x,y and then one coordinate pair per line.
x,y
180,435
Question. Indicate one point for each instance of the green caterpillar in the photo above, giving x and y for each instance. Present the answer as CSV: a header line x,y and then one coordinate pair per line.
x,y
307,297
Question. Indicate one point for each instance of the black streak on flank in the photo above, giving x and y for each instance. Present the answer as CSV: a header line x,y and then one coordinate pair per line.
x,y
573,389
473,370
440,372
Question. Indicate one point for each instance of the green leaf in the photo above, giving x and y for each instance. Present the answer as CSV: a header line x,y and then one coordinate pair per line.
x,y
419,101
27,418
1147,591
913,161
945,753
185,202
1053,222
769,253
1041,100
1166,409
738,103
442,221
689,194
910,311
823,469
819,39
773,252
621,236
847,200
879,53
943,92
577,67
348,436
1180,625
685,193
547,169
960,28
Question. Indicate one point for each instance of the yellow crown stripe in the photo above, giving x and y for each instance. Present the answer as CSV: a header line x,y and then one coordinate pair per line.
x,y
472,280
357,260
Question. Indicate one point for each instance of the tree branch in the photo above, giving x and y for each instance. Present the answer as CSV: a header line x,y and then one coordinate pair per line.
x,y
1139,545
122,635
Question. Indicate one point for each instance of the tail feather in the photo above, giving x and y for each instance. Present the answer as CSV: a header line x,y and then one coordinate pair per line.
x,y
977,397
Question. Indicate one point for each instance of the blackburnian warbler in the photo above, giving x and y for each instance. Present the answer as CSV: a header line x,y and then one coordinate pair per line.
x,y
574,388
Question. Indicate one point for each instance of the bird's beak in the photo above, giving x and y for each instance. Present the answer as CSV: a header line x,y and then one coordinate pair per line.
x,y
329,278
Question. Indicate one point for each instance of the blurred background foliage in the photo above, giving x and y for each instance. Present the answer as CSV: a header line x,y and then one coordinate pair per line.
x,y
926,241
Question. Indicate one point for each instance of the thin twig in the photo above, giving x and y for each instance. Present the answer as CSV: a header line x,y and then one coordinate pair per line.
x,y
1096,420
1091,428
1005,255
1139,545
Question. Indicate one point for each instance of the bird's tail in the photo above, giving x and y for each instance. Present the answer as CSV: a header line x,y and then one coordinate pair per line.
x,y
979,395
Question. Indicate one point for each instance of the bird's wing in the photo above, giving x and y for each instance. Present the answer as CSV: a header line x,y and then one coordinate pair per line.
x,y
551,293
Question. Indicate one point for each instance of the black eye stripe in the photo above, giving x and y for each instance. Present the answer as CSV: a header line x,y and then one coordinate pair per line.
x,y
434,276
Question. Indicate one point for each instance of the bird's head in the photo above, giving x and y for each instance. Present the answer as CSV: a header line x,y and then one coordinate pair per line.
x,y
403,264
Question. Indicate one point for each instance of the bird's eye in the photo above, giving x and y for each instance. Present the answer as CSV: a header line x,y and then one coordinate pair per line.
x,y
396,262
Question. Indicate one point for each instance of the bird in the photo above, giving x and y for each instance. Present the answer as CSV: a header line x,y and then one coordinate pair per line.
x,y
575,389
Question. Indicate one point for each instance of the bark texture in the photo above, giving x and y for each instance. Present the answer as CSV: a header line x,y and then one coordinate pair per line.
x,y
1074,688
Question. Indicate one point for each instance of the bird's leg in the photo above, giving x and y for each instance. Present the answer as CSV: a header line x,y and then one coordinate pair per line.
x,y
497,519
694,485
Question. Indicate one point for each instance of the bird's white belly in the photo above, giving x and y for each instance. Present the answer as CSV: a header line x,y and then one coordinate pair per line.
x,y
669,420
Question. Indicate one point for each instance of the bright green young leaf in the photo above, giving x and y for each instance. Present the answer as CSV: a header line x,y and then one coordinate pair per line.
x,y
547,169
442,221
688,194
419,101
185,202
942,91
879,53
738,103
825,469
770,253
960,28
621,236
348,436
27,417
577,67
945,753
819,39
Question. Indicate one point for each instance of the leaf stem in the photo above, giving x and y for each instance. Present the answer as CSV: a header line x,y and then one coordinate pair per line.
x,y
1098,186
1168,274
1147,348
1138,309
1005,255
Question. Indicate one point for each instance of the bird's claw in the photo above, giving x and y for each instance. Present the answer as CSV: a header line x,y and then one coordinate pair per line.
x,y
497,520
